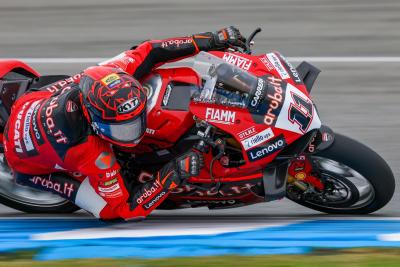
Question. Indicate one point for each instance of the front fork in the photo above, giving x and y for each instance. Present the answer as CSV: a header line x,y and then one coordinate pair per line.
x,y
295,166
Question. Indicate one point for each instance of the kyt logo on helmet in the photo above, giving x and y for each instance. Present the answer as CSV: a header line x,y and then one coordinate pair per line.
x,y
114,104
128,106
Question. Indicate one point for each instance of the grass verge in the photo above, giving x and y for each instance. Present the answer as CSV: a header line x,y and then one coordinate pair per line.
x,y
325,258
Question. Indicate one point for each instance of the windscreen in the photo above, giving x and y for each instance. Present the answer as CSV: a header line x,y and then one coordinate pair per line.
x,y
214,70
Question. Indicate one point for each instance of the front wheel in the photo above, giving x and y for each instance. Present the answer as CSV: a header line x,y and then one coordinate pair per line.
x,y
357,180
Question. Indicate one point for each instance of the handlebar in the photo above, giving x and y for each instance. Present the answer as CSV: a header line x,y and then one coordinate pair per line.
x,y
249,40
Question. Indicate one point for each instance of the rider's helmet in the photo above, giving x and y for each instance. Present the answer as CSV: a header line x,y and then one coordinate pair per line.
x,y
114,103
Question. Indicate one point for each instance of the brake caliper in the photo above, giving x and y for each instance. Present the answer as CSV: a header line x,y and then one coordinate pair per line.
x,y
300,173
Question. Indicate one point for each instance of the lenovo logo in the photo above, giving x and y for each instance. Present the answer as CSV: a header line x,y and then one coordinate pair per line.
x,y
267,149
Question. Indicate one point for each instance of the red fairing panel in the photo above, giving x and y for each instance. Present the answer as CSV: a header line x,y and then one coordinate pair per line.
x,y
287,114
7,66
161,122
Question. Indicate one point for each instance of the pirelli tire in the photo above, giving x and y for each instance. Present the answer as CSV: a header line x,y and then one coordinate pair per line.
x,y
29,200
368,164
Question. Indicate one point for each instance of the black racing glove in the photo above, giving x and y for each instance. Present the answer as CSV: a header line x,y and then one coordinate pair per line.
x,y
220,40
229,36
189,164
180,169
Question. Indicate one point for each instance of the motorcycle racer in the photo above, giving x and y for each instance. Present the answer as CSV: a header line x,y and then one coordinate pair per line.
x,y
69,126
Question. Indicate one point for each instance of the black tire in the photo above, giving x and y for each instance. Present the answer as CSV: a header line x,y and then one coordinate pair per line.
x,y
367,163
64,207
23,204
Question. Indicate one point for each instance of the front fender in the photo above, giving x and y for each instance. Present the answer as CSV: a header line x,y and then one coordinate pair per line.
x,y
323,139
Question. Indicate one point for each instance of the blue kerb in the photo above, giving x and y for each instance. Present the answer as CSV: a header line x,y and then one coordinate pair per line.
x,y
294,238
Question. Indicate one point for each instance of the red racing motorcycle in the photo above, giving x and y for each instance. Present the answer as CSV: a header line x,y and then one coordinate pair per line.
x,y
254,120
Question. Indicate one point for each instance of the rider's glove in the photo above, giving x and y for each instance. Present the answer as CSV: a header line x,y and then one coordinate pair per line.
x,y
189,164
219,40
227,37
180,169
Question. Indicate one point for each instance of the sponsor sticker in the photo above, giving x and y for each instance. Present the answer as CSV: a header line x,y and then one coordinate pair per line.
x,y
267,63
111,80
150,131
148,192
71,106
50,122
167,95
247,133
65,189
27,125
112,191
258,94
110,182
177,42
109,189
220,116
295,75
35,127
238,61
326,137
267,149
154,201
17,127
274,59
128,106
112,173
275,99
257,139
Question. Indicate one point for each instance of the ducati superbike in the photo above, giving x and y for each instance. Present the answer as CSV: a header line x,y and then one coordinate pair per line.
x,y
251,116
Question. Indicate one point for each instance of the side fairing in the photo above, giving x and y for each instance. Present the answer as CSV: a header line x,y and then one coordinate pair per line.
x,y
298,113
285,115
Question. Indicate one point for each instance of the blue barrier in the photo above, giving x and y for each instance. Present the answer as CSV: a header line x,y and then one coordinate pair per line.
x,y
295,238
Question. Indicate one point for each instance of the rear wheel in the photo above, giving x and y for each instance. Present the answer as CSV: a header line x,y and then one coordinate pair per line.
x,y
357,180
27,199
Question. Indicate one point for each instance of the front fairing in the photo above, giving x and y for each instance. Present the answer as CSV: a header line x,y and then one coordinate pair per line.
x,y
286,115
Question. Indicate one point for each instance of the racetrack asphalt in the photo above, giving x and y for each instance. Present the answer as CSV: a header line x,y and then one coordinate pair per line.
x,y
360,100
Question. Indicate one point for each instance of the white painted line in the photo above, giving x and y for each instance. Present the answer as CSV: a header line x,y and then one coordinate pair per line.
x,y
59,60
347,59
294,59
148,230
395,237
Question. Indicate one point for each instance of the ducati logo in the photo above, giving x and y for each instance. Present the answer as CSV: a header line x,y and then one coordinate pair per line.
x,y
71,106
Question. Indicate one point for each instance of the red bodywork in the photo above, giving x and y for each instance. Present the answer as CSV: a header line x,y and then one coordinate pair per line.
x,y
230,186
165,127
9,65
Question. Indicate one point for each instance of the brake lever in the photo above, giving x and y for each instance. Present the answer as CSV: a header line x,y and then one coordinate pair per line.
x,y
250,42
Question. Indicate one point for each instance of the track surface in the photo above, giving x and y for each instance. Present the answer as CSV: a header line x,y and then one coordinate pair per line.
x,y
357,99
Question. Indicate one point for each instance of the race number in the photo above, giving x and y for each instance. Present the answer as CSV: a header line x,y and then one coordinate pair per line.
x,y
301,112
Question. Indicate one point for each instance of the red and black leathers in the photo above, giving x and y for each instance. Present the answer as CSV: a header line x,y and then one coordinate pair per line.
x,y
47,133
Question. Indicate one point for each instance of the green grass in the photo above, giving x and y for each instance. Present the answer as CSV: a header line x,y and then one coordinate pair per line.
x,y
328,258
